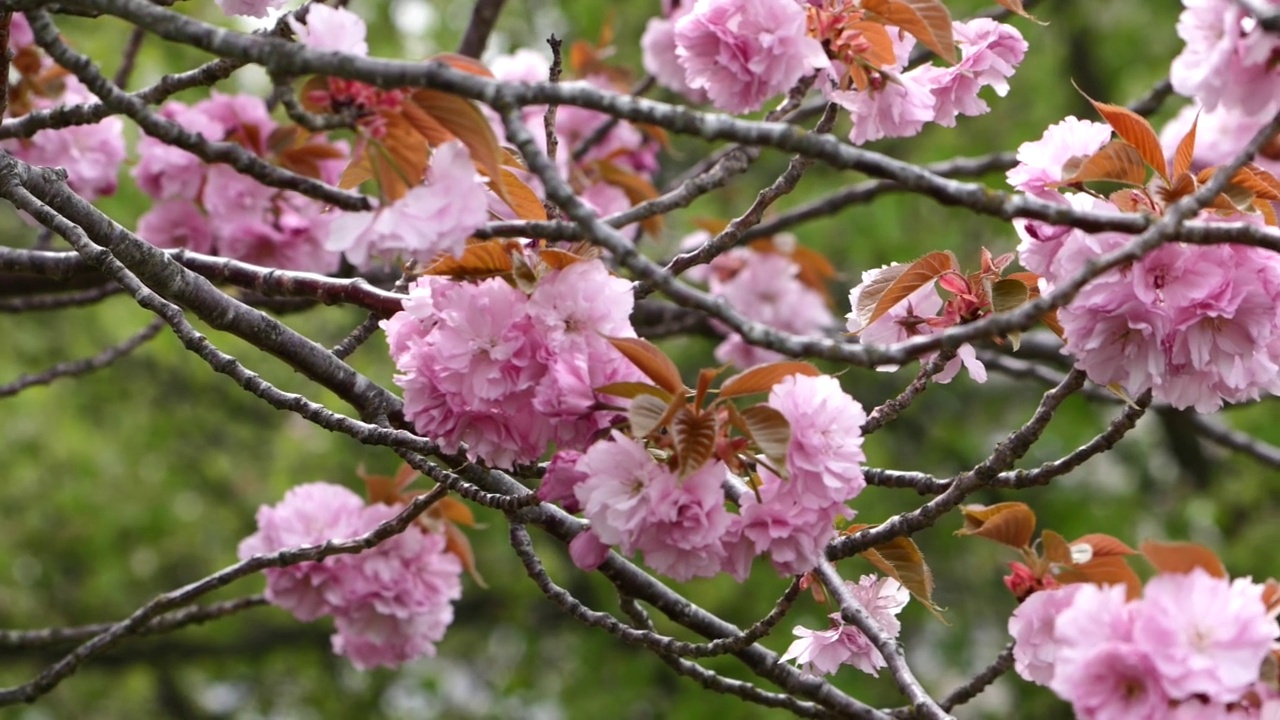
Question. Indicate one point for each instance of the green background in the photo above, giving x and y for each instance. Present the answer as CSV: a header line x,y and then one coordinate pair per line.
x,y
144,477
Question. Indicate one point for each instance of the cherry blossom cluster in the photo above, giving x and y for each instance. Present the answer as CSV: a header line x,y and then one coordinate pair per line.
x,y
764,283
390,604
507,371
822,652
91,154
636,502
739,54
1194,324
1193,646
214,209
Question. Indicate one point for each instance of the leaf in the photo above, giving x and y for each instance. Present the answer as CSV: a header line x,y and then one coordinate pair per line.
x,y
874,289
1182,557
454,510
901,559
645,414
1056,549
1186,151
463,63
1015,6
928,20
457,543
461,117
486,259
378,488
695,438
1108,570
425,125
632,390
636,188
519,196
770,431
399,159
652,362
762,378
1267,210
1136,131
1009,293
913,277
1104,545
1008,523
1117,161
357,171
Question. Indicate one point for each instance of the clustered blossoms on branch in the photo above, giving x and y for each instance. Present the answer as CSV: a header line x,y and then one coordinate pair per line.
x,y
390,604
91,154
1192,646
664,493
214,209
822,652
509,369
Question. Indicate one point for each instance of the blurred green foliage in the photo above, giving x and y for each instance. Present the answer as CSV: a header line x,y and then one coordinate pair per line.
x,y
143,477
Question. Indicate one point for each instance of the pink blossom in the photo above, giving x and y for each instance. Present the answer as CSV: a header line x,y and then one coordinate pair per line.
x,y
1220,135
990,53
232,196
1041,162
687,522
20,35
823,652
622,486
91,154
895,107
430,220
287,237
176,224
164,171
742,52
605,199
793,535
251,8
1227,59
1206,636
241,117
309,514
1031,626
1115,681
371,639
560,479
824,456
587,551
766,287
658,45
331,29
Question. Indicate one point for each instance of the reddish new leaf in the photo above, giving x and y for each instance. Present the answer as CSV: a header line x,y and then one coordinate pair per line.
x,y
1186,151
1055,547
457,543
1136,131
763,377
874,289
1268,211
636,188
1015,6
1109,570
652,362
646,414
770,432
901,559
1104,545
519,196
632,390
1008,523
464,120
912,278
1117,161
463,63
928,20
491,258
1182,557
695,438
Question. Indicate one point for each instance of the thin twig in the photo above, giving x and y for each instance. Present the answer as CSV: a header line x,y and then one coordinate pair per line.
x,y
84,366
23,639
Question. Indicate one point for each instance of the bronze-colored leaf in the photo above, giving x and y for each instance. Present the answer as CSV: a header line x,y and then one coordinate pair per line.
x,y
1104,545
491,258
1009,293
457,543
645,414
1055,548
1008,523
762,378
428,127
520,197
652,362
357,171
1186,151
631,390
1117,161
1268,211
770,432
461,117
1015,6
378,488
314,88
901,559
454,510
915,276
695,438
399,159
636,188
874,289
1108,570
1182,557
705,377
928,20
463,63
1136,131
